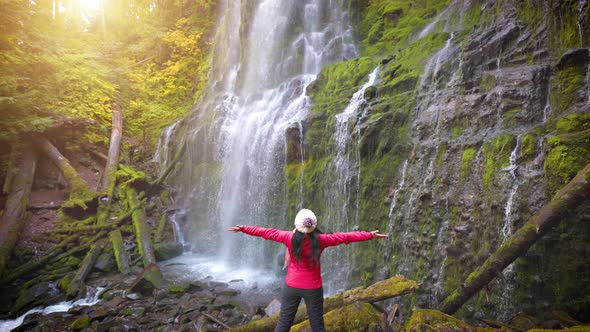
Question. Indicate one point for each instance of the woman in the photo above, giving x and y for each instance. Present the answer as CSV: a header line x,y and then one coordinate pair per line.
x,y
304,247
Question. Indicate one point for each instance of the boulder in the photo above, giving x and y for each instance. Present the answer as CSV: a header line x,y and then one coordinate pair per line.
x,y
149,279
167,250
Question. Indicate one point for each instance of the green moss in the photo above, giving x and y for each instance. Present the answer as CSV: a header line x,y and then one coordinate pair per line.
x,y
564,87
433,320
336,83
165,198
180,287
359,316
403,73
388,25
496,155
573,123
375,116
570,150
578,328
459,125
474,16
80,323
466,159
563,163
511,115
530,13
488,82
528,145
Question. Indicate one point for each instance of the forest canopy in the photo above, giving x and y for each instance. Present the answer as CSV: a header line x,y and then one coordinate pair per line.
x,y
75,60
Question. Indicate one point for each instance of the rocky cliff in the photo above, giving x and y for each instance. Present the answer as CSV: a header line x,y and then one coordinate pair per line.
x,y
480,113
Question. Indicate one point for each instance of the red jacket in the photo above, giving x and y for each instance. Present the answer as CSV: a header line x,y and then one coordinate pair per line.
x,y
304,274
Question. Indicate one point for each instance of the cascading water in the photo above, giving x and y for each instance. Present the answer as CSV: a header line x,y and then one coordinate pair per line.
x,y
508,210
91,298
343,191
161,156
233,172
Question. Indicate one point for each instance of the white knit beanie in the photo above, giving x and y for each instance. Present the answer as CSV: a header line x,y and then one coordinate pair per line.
x,y
305,221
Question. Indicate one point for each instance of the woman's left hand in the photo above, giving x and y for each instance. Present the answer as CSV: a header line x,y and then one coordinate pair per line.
x,y
377,235
235,229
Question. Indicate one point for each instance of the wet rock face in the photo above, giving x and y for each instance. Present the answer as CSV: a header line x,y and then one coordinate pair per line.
x,y
472,150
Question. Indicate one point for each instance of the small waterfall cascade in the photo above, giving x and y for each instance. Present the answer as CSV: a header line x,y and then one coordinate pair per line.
x,y
161,156
178,234
91,298
508,209
439,249
547,108
428,90
392,210
233,172
343,191
400,186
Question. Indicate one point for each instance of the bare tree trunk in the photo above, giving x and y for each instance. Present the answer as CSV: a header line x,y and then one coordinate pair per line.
x,y
15,212
69,172
108,179
379,291
558,209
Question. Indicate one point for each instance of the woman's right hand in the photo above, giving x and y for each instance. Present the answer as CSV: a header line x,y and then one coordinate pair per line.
x,y
235,229
377,235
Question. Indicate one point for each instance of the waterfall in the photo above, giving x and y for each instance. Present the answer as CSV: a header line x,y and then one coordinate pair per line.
x,y
511,169
178,234
547,108
233,171
392,212
161,155
400,186
343,191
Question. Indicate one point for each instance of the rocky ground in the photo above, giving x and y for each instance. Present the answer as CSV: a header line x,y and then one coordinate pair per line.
x,y
205,305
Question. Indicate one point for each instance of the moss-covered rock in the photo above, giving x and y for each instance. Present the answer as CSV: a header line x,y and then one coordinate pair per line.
x,y
433,320
80,323
570,150
167,250
355,317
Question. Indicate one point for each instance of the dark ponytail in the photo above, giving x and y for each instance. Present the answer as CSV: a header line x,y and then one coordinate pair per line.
x,y
297,240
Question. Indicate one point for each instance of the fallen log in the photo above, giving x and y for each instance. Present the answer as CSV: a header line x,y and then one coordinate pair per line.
x,y
379,291
121,256
50,257
558,209
81,247
94,228
31,265
77,184
159,234
15,212
142,233
85,268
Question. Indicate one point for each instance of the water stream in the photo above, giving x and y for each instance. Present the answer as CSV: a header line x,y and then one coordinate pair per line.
x,y
508,209
91,298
